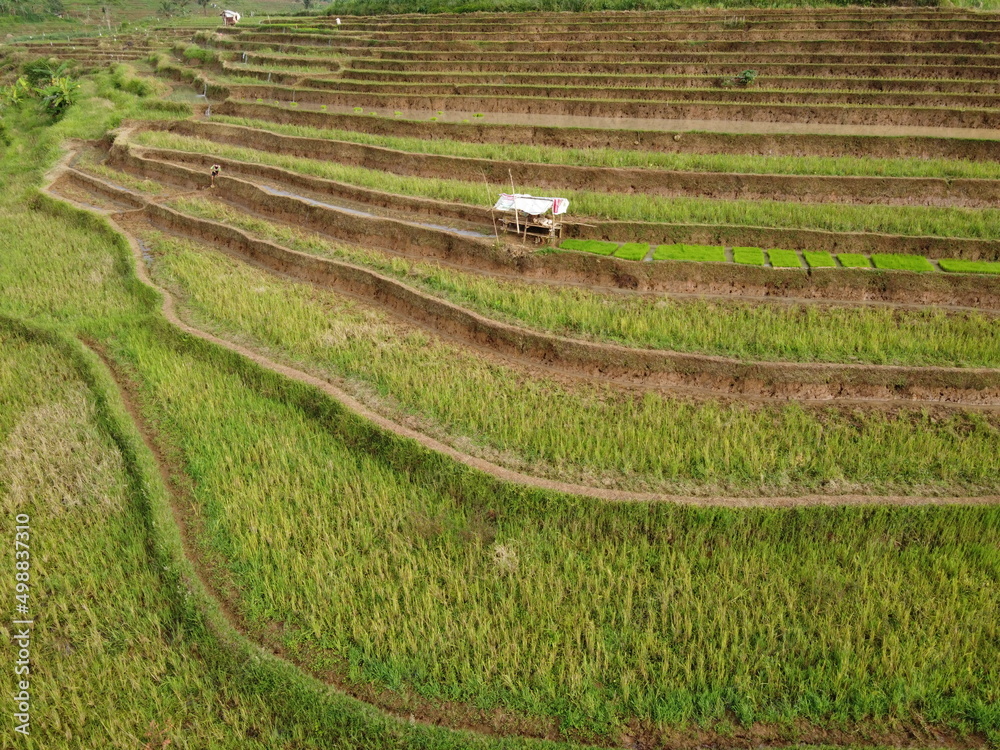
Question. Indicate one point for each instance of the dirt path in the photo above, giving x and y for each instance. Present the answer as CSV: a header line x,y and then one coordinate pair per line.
x,y
500,472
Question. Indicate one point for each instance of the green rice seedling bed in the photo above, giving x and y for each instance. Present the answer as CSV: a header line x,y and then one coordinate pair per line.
x,y
598,247
748,256
854,260
957,265
819,259
700,253
633,251
841,333
896,262
784,259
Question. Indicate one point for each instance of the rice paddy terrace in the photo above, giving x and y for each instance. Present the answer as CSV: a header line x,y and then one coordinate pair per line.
x,y
777,290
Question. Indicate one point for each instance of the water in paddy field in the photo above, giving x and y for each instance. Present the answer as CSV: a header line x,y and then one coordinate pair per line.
x,y
642,123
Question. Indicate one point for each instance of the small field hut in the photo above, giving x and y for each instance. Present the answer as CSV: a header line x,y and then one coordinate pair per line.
x,y
531,216
230,17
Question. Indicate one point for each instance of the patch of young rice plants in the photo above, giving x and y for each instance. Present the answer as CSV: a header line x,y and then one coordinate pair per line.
x,y
598,157
901,220
749,256
795,332
598,247
395,568
582,429
703,253
897,262
816,259
784,259
854,260
956,265
632,251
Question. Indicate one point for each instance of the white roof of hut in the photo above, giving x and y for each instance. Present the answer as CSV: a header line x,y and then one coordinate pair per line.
x,y
531,205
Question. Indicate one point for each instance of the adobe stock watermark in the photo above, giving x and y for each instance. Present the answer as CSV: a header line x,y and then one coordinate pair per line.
x,y
22,625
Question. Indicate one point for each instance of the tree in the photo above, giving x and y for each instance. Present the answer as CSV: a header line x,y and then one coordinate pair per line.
x,y
204,6
307,4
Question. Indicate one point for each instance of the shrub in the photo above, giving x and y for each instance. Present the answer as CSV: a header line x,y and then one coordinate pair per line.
x,y
58,96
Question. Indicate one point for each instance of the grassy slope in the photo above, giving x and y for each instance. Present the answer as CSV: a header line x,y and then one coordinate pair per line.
x,y
633,610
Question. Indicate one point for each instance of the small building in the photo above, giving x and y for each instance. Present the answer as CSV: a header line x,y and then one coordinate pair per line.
x,y
230,17
528,215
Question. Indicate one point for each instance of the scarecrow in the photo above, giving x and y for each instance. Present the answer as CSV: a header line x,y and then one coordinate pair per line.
x,y
215,173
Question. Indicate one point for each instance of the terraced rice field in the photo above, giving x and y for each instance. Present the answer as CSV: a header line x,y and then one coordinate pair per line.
x,y
719,466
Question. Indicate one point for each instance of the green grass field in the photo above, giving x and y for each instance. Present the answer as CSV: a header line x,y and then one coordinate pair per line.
x,y
561,430
839,334
902,220
684,162
413,581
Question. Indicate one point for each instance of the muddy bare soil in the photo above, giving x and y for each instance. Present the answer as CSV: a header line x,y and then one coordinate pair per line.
x,y
874,39
943,76
737,25
851,285
670,141
608,362
766,112
971,193
757,94
697,55
702,17
702,79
